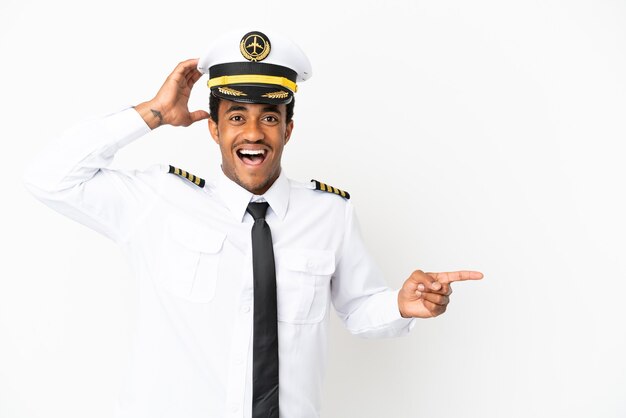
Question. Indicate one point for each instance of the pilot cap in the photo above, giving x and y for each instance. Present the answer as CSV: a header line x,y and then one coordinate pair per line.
x,y
254,67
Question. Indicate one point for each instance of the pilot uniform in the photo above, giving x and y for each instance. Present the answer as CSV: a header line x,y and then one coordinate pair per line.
x,y
187,241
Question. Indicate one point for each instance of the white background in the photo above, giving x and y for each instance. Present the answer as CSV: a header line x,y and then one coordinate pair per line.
x,y
481,135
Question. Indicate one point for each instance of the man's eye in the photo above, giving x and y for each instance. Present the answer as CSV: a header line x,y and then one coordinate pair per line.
x,y
236,118
271,119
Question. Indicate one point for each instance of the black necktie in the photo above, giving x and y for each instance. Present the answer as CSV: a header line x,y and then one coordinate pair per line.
x,y
265,331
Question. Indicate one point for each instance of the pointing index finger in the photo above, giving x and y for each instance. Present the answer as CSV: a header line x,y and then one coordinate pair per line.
x,y
456,276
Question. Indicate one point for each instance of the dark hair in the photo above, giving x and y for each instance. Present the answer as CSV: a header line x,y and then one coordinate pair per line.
x,y
214,105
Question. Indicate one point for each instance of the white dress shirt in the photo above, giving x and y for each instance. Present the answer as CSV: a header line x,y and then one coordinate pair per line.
x,y
190,249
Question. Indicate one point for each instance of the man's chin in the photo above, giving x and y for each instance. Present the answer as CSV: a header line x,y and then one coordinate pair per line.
x,y
255,186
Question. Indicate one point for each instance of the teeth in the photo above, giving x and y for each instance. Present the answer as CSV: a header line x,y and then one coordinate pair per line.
x,y
252,152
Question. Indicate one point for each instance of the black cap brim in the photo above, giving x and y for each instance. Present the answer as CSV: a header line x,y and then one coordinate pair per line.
x,y
253,93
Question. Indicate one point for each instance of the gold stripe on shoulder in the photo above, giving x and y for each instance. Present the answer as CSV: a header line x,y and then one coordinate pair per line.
x,y
188,176
330,189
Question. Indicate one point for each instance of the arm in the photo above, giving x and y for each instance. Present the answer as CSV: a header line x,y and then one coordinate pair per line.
x,y
360,295
368,307
71,174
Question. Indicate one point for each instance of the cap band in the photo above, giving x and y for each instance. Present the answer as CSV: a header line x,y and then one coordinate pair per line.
x,y
261,68
252,78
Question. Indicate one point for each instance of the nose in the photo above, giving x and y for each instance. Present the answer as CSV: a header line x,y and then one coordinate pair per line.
x,y
253,131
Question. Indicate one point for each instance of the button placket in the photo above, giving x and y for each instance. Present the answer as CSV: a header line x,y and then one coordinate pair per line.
x,y
241,338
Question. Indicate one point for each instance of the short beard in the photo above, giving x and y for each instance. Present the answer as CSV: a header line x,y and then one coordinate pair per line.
x,y
260,188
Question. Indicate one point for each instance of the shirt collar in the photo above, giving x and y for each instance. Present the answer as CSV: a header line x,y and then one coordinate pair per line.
x,y
237,198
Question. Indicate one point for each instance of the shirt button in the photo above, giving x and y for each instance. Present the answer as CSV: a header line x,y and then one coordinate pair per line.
x,y
234,408
245,309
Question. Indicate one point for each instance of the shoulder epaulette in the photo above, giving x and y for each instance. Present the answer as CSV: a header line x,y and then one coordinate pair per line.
x,y
182,173
330,189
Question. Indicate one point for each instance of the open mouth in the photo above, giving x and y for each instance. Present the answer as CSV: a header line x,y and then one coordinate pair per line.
x,y
252,156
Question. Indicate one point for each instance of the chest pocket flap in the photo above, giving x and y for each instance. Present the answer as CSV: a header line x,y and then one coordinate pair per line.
x,y
195,236
315,262
303,285
192,254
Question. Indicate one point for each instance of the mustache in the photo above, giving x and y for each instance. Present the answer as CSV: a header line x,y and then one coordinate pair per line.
x,y
248,142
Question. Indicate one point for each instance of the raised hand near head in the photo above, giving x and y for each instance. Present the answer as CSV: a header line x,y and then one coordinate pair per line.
x,y
170,105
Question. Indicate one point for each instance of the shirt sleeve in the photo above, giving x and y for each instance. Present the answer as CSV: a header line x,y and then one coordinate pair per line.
x,y
70,175
363,301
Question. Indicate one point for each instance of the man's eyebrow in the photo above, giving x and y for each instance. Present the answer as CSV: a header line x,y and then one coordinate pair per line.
x,y
241,108
271,108
235,108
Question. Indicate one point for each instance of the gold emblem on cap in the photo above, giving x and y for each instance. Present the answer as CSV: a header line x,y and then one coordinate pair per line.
x,y
280,94
231,92
255,46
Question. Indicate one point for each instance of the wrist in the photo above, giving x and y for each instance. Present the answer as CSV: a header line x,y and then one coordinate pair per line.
x,y
151,113
400,304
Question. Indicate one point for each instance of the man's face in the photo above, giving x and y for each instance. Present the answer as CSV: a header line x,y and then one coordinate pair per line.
x,y
251,137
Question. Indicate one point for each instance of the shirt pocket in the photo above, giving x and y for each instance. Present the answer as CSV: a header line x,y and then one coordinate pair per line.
x,y
191,257
303,284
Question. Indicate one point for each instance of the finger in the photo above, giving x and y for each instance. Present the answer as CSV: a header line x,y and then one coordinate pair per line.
x,y
456,276
419,277
435,298
192,79
192,74
186,65
185,68
198,115
445,290
433,308
195,76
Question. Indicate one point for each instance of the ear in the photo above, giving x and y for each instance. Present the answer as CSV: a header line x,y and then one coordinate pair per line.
x,y
214,131
288,131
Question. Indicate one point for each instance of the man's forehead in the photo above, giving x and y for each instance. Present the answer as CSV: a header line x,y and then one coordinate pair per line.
x,y
230,106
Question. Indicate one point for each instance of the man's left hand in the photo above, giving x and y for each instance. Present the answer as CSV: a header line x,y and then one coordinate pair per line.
x,y
426,295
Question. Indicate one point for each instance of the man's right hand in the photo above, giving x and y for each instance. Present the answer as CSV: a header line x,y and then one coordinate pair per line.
x,y
426,295
170,105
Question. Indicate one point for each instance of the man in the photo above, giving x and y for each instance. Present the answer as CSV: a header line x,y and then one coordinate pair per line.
x,y
237,274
